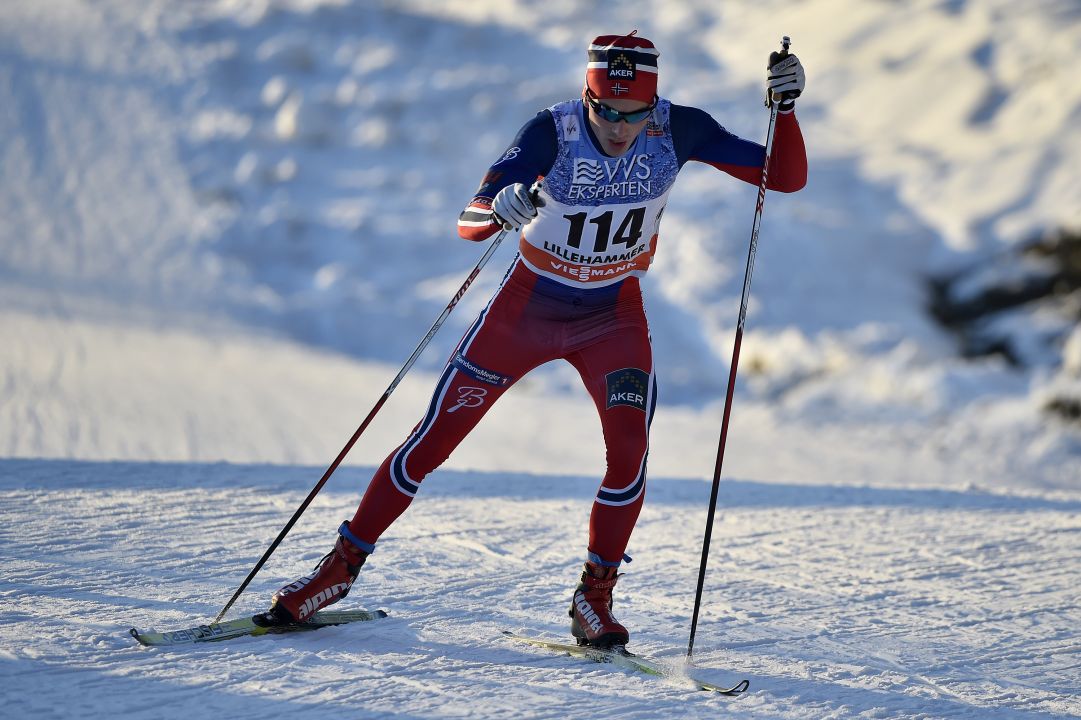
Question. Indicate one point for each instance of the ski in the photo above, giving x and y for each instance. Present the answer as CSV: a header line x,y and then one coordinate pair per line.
x,y
623,658
255,625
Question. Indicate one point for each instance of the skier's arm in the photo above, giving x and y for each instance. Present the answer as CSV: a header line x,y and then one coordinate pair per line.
x,y
530,155
697,136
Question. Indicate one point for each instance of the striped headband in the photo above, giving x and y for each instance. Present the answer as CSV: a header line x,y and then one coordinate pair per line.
x,y
622,67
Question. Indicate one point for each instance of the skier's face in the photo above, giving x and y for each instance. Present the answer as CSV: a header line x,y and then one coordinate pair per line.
x,y
617,136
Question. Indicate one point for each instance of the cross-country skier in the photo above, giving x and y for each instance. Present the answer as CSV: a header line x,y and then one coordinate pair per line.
x,y
608,161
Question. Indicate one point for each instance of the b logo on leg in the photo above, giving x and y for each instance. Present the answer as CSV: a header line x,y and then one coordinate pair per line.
x,y
468,397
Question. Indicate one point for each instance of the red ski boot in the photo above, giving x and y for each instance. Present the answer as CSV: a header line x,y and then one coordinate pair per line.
x,y
330,582
592,621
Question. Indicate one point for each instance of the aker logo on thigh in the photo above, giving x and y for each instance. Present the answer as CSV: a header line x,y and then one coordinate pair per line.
x,y
628,386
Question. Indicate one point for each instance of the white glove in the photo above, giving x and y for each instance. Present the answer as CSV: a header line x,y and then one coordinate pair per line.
x,y
785,81
513,207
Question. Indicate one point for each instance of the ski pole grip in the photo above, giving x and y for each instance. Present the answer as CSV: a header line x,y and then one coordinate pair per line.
x,y
774,58
534,193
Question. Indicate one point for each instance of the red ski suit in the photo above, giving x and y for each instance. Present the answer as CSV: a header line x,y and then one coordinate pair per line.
x,y
550,308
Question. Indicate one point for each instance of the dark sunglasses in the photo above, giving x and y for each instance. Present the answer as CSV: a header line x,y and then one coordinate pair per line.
x,y
613,116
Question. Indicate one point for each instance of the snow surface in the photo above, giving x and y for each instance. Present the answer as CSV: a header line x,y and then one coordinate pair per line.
x,y
227,223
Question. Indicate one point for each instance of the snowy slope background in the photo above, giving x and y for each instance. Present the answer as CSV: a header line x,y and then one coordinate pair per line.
x,y
226,224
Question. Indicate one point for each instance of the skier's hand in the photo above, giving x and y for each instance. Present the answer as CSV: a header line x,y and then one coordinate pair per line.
x,y
513,207
785,81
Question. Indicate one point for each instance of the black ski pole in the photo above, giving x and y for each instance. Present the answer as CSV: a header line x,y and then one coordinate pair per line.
x,y
774,57
364,425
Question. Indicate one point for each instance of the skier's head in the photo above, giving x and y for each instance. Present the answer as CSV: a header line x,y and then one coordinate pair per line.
x,y
622,67
621,89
